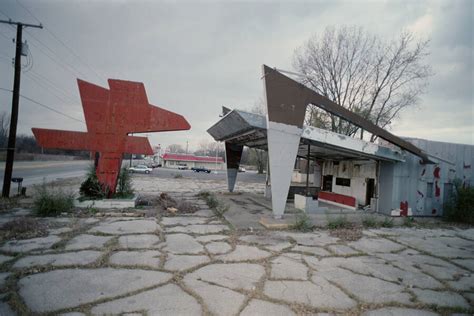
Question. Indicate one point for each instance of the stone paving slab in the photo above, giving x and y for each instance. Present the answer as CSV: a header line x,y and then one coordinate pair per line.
x,y
398,311
218,247
127,227
441,298
219,300
198,229
73,287
166,300
319,294
182,221
87,242
78,258
184,262
4,258
258,307
284,267
233,276
26,245
182,244
144,241
244,253
144,258
209,238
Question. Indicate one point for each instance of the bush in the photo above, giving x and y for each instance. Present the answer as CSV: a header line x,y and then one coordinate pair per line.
x,y
303,222
387,222
461,207
124,185
338,222
91,188
49,202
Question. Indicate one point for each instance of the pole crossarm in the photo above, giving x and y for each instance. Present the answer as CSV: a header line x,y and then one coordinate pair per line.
x,y
40,26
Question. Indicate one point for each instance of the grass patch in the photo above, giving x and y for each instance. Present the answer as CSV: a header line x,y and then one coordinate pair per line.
x,y
387,222
409,222
52,202
23,228
213,203
303,222
369,221
338,222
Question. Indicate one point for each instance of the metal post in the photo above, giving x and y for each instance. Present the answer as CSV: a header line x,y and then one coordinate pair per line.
x,y
307,171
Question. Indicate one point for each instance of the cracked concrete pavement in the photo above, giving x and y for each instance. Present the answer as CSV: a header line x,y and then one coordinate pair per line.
x,y
196,264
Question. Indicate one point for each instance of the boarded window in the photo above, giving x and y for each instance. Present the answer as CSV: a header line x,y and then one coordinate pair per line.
x,y
345,182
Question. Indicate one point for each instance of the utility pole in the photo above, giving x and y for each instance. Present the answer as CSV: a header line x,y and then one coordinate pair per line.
x,y
15,102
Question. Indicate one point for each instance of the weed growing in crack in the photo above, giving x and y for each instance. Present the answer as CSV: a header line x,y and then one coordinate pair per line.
x,y
369,222
387,222
409,222
303,222
338,222
49,202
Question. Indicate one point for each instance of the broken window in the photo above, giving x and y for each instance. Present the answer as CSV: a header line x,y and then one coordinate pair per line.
x,y
345,182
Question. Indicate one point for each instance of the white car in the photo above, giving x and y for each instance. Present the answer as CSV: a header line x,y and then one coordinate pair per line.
x,y
140,169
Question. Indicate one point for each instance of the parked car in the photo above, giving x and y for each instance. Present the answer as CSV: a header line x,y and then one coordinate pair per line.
x,y
182,167
156,165
201,170
242,169
140,169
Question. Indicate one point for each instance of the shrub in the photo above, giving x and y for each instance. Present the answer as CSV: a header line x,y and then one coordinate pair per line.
x,y
387,222
460,208
124,185
91,188
409,221
369,222
303,222
49,202
338,222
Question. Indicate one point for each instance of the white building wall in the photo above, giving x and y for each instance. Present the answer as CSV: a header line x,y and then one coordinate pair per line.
x,y
357,171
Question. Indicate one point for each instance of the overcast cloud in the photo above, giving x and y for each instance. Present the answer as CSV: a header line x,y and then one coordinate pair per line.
x,y
195,57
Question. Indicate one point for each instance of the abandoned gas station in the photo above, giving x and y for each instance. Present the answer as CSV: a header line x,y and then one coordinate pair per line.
x,y
396,176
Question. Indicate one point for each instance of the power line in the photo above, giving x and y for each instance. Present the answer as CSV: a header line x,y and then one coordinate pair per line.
x,y
45,106
62,42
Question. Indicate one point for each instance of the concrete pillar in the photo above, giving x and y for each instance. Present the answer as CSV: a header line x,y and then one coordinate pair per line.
x,y
286,108
233,154
283,142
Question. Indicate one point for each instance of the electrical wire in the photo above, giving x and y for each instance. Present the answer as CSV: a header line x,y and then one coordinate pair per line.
x,y
71,51
45,106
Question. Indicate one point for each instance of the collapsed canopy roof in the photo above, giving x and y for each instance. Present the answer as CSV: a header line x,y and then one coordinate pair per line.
x,y
243,128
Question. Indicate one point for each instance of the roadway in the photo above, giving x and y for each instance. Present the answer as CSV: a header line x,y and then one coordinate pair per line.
x,y
35,172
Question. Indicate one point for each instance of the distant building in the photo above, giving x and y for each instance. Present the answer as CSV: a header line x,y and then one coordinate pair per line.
x,y
192,161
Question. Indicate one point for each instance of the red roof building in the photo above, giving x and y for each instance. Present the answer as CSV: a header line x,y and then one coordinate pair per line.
x,y
191,161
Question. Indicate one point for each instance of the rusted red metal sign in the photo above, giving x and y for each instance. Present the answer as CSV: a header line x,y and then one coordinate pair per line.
x,y
110,116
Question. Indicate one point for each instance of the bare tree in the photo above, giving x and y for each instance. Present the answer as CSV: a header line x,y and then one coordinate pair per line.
x,y
208,148
363,73
176,149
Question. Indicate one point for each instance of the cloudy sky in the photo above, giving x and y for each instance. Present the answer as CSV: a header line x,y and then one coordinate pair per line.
x,y
195,57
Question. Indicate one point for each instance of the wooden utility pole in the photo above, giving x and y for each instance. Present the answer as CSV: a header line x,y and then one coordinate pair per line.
x,y
15,102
